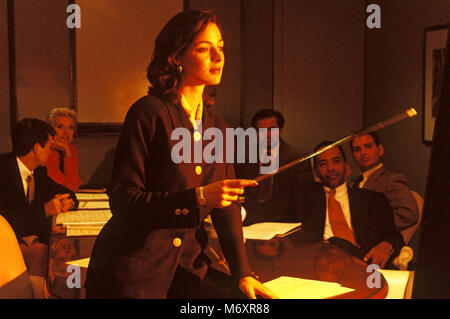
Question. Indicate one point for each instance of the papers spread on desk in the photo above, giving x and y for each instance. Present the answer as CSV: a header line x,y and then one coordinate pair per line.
x,y
83,222
84,218
72,231
298,288
266,231
397,281
92,190
92,196
95,205
84,263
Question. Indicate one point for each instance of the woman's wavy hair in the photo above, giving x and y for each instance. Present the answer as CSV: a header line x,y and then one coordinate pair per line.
x,y
171,43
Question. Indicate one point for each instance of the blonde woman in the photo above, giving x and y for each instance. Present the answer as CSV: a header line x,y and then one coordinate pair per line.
x,y
62,164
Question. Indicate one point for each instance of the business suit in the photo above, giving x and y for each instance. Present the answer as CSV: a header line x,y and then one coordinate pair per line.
x,y
27,219
156,227
371,217
275,208
395,187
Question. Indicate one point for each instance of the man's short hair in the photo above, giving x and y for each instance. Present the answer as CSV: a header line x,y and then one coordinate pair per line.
x,y
375,138
27,132
326,143
268,113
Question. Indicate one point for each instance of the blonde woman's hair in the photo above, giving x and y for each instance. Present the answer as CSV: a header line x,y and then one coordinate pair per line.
x,y
61,111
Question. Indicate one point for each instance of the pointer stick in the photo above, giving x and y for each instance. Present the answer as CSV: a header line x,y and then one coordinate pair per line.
x,y
411,112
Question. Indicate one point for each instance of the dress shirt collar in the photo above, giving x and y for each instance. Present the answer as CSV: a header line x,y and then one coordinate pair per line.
x,y
23,169
194,114
24,173
369,172
340,190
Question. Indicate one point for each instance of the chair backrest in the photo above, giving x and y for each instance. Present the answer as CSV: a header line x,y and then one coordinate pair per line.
x,y
12,264
409,232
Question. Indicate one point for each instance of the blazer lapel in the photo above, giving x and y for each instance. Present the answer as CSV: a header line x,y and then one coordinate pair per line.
x,y
373,179
318,209
356,212
16,181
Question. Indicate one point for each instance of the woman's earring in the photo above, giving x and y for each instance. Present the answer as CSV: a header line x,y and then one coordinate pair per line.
x,y
180,68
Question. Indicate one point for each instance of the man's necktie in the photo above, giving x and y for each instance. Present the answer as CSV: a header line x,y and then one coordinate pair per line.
x,y
358,181
30,191
337,220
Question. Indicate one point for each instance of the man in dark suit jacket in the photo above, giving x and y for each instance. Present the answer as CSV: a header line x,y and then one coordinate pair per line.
x,y
368,215
269,202
368,152
32,140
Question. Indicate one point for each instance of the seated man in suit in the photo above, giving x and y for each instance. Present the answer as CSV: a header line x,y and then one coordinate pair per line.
x,y
367,152
28,197
270,201
332,211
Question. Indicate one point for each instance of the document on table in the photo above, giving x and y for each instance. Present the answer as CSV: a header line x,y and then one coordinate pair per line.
x,y
72,231
80,262
397,281
84,217
266,231
93,205
92,196
298,288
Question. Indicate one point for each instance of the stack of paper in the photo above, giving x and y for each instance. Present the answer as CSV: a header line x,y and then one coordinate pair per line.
x,y
80,262
92,197
84,217
95,205
83,222
266,231
92,214
297,288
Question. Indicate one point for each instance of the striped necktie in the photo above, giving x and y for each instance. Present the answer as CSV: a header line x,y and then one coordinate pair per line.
x,y
30,190
337,220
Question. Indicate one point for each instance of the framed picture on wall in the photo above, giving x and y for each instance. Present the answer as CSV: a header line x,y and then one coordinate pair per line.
x,y
435,53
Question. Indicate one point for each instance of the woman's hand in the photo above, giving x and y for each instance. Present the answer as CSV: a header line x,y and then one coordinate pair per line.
x,y
223,193
252,287
62,147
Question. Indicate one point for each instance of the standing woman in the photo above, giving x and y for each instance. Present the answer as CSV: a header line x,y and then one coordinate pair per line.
x,y
62,164
153,246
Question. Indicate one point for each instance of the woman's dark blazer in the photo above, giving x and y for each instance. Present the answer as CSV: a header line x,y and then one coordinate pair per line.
x,y
154,208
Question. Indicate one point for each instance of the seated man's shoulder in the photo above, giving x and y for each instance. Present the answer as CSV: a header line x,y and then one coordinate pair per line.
x,y
6,156
391,179
392,175
6,160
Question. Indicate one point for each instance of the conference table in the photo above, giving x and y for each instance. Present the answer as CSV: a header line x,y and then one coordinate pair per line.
x,y
272,260
317,263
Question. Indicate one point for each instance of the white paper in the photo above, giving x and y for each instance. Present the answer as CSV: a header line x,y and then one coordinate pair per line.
x,y
266,231
298,288
84,217
80,262
397,281
92,196
93,205
73,231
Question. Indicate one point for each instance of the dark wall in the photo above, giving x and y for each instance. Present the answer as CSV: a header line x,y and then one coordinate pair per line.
x,y
318,69
5,144
42,57
394,80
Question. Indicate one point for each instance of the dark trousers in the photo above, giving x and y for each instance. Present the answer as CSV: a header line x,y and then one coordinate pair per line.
x,y
215,285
